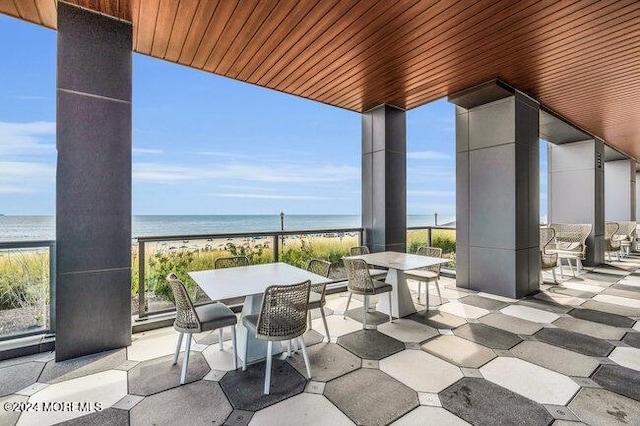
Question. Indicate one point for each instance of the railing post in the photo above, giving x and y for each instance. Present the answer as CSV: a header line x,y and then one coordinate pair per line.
x,y
142,302
52,287
276,248
429,239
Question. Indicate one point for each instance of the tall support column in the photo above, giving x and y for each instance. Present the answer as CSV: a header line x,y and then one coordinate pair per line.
x,y
93,192
576,190
497,190
384,179
620,190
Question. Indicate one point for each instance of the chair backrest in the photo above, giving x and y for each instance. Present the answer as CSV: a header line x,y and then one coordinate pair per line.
x,y
358,275
231,262
319,267
547,235
431,252
186,317
610,229
626,229
283,313
572,236
360,250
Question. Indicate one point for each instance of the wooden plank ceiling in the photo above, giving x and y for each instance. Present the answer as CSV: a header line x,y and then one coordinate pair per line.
x,y
580,58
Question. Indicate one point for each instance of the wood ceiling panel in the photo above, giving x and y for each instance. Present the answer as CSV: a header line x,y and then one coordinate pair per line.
x,y
580,58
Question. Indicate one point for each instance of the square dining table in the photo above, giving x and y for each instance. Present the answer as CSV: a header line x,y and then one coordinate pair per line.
x,y
398,263
251,282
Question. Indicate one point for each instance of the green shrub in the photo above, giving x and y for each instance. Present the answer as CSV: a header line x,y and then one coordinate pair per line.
x,y
446,243
161,265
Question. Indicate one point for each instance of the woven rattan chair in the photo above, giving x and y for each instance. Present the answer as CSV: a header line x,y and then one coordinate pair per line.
x,y
360,282
231,262
548,261
317,296
570,243
190,319
283,316
611,243
428,274
626,235
376,273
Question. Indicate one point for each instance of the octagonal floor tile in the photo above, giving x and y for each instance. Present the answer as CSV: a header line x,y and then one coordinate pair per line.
x,y
488,336
530,380
459,351
511,324
626,357
10,417
371,397
484,302
611,308
636,326
437,319
462,310
530,314
432,415
156,375
599,331
328,361
618,379
618,300
576,342
599,407
557,359
421,371
108,417
220,359
544,305
105,388
632,339
338,302
152,344
601,317
370,344
373,317
481,402
55,372
244,388
19,376
407,330
303,409
338,326
199,403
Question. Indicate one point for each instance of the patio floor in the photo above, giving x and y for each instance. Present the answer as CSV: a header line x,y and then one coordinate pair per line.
x,y
567,355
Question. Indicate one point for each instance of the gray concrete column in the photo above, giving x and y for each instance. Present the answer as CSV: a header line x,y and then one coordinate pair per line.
x,y
620,190
384,179
576,190
93,192
497,191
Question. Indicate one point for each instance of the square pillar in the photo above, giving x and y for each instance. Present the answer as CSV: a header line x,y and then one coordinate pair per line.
x,y
384,179
497,191
620,190
576,190
93,183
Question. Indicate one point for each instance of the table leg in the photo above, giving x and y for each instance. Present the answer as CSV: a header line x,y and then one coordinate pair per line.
x,y
257,349
401,300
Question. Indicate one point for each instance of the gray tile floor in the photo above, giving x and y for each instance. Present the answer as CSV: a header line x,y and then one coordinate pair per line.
x,y
567,355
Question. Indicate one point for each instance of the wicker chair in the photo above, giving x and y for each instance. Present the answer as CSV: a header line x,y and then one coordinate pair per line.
x,y
376,273
570,243
360,282
548,261
190,319
283,316
231,262
428,274
626,235
317,297
611,243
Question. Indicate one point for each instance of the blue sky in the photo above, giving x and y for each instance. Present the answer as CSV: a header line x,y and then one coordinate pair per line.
x,y
204,144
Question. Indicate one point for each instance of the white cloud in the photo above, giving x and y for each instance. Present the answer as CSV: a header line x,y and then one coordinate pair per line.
x,y
20,177
27,138
414,193
428,155
246,188
147,151
287,172
268,196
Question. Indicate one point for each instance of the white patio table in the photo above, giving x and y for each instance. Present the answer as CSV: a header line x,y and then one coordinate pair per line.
x,y
398,263
251,281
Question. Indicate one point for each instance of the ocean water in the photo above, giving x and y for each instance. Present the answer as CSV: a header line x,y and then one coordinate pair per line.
x,y
25,228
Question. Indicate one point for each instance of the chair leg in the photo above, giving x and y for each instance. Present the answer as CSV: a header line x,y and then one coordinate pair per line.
x,y
288,348
324,320
175,357
438,288
305,356
310,323
419,290
220,339
185,360
555,280
561,271
364,312
267,371
344,315
571,267
245,351
426,294
390,308
234,351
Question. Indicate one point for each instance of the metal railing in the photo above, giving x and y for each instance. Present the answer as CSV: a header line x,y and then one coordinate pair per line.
x,y
25,252
448,245
272,245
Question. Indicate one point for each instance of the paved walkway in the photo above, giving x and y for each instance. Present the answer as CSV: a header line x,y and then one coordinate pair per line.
x,y
567,355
